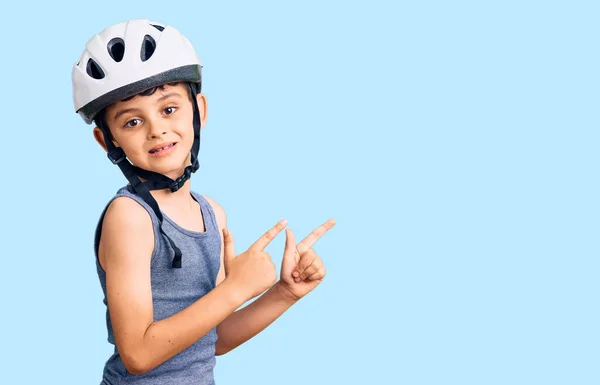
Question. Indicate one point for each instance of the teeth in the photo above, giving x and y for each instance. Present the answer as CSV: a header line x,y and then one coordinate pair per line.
x,y
160,149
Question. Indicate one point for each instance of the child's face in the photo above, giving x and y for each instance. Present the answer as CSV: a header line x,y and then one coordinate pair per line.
x,y
155,131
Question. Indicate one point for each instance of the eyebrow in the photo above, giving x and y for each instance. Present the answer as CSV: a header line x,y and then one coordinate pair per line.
x,y
166,96
126,110
121,112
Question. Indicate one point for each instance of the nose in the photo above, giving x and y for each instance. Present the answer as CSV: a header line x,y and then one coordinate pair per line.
x,y
156,129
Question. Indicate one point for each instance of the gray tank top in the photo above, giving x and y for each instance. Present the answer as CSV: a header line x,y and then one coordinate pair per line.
x,y
173,289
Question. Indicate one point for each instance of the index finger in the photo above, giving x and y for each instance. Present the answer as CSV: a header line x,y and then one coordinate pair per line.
x,y
228,248
267,237
314,236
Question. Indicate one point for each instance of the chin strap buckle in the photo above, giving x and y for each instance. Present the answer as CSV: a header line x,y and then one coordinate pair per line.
x,y
179,182
116,155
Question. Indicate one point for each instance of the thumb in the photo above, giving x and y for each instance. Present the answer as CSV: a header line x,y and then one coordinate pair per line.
x,y
290,253
228,250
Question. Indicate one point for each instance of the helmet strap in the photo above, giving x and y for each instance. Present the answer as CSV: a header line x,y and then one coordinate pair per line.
x,y
154,180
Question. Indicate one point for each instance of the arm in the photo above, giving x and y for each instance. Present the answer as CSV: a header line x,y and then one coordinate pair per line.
x,y
245,323
301,271
125,249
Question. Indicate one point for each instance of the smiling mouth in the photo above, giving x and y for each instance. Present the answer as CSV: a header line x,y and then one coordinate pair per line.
x,y
157,150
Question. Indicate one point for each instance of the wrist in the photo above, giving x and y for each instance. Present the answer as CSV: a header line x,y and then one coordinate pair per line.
x,y
235,292
284,293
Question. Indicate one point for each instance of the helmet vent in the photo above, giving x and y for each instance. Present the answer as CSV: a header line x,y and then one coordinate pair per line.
x,y
159,27
148,47
116,49
94,70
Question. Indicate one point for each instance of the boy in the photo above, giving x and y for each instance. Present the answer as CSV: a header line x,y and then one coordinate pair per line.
x,y
165,259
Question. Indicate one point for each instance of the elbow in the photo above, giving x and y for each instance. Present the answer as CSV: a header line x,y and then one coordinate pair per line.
x,y
136,357
219,351
135,364
221,348
136,370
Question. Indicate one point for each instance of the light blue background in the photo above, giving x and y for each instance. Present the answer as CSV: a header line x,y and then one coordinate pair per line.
x,y
454,142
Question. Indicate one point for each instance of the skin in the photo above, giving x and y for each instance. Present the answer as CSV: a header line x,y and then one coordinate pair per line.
x,y
127,244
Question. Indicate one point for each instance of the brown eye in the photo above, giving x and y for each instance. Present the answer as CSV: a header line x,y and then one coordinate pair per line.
x,y
132,123
170,110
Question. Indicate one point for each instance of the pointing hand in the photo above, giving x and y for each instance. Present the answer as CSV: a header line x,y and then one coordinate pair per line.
x,y
251,272
302,269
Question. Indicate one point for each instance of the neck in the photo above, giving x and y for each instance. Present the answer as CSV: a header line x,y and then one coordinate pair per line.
x,y
180,198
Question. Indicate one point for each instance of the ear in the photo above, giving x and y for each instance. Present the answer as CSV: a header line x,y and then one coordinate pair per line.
x,y
99,136
203,107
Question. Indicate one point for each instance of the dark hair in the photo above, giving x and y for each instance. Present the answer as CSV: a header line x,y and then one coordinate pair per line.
x,y
99,119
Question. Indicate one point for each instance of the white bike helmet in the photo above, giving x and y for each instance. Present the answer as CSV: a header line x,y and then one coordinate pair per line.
x,y
128,58
122,61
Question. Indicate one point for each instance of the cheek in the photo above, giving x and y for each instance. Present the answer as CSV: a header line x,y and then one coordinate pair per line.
x,y
132,143
186,131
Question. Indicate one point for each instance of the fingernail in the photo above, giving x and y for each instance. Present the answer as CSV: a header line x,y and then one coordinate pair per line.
x,y
295,274
284,222
296,279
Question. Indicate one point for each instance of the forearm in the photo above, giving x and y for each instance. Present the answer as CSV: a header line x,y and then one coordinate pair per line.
x,y
166,338
245,323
